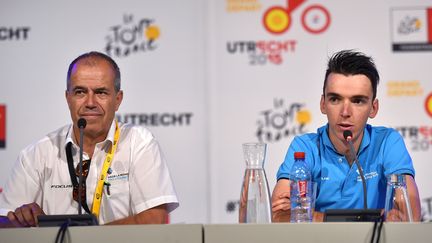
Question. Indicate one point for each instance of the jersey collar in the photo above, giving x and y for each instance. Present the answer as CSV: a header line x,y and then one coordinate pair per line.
x,y
71,139
323,131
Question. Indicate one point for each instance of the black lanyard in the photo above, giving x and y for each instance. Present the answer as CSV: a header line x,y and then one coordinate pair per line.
x,y
73,175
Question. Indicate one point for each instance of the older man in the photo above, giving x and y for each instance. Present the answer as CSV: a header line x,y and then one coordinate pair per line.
x,y
126,179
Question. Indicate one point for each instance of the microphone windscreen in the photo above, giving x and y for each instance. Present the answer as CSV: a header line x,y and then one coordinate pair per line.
x,y
347,133
82,123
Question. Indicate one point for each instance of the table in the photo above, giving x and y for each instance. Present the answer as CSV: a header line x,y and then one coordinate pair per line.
x,y
317,232
227,233
179,233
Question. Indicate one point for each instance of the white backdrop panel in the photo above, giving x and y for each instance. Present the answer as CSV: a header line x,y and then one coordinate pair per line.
x,y
169,79
242,87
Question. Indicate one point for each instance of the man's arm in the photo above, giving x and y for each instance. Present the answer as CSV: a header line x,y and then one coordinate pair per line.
x,y
281,203
24,216
414,198
156,215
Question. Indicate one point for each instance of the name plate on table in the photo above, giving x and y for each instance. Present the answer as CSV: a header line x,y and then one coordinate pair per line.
x,y
72,219
352,215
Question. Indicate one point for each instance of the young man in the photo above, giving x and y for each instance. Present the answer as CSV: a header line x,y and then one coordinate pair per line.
x,y
136,187
348,101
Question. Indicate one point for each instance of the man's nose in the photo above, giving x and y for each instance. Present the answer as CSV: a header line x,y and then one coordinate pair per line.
x,y
90,102
346,109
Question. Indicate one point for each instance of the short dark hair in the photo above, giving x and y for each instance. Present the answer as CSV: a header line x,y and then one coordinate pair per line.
x,y
95,54
349,62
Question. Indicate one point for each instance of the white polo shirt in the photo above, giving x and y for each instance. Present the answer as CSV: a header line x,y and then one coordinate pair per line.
x,y
139,177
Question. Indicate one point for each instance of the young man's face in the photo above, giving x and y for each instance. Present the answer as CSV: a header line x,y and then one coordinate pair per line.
x,y
348,104
92,96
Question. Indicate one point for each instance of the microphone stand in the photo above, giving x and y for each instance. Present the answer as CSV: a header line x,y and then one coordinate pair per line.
x,y
353,215
66,220
354,156
81,124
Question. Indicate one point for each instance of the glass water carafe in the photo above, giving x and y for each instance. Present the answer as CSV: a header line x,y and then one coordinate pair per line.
x,y
255,196
397,204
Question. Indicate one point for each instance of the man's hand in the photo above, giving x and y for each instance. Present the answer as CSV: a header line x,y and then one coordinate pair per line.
x,y
318,217
395,215
25,216
281,203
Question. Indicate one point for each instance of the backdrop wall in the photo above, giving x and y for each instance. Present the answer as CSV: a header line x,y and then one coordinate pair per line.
x,y
207,76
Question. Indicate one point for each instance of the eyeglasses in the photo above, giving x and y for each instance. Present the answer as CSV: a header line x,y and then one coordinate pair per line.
x,y
85,171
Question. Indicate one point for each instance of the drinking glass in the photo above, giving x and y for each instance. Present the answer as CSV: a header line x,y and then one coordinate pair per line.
x,y
397,204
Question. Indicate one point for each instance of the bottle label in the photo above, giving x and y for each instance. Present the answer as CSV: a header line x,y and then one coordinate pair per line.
x,y
302,188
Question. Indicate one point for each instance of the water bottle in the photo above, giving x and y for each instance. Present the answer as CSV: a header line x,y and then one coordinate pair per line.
x,y
301,190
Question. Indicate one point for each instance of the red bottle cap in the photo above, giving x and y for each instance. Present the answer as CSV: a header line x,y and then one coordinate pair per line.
x,y
299,155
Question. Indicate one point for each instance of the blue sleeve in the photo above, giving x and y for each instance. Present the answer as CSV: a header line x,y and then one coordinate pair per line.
x,y
396,157
302,143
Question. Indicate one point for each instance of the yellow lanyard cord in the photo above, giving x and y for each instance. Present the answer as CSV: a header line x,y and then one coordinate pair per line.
x,y
97,198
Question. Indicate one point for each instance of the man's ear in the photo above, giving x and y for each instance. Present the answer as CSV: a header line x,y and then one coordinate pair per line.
x,y
119,99
67,98
375,108
322,105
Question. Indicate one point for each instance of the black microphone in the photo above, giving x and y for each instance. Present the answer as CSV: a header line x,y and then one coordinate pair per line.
x,y
81,125
348,137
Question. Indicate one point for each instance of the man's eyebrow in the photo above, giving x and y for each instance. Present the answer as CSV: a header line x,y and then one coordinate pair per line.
x,y
100,89
331,94
79,87
360,97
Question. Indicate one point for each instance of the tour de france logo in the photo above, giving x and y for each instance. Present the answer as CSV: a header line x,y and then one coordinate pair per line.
x,y
281,121
315,18
133,35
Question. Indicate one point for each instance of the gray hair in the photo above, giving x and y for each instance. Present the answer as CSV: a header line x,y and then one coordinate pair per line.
x,y
89,56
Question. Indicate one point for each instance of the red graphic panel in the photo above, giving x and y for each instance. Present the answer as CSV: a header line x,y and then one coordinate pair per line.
x,y
429,17
2,126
